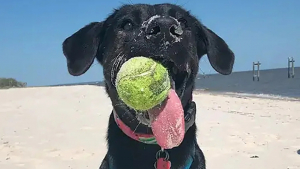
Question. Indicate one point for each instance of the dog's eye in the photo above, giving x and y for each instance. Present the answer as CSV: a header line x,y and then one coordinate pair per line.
x,y
183,22
127,25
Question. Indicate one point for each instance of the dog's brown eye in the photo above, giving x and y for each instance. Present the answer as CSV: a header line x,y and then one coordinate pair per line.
x,y
127,25
183,22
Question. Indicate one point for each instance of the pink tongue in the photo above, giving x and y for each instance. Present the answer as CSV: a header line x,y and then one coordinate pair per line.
x,y
167,122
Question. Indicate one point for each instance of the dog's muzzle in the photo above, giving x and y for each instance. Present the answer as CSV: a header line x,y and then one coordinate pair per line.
x,y
164,28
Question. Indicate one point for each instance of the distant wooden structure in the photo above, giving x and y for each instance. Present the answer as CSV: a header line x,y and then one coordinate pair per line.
x,y
291,67
256,71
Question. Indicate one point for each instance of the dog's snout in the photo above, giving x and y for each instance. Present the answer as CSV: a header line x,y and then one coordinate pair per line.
x,y
164,25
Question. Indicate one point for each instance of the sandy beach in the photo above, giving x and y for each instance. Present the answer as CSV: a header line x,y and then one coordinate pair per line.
x,y
65,128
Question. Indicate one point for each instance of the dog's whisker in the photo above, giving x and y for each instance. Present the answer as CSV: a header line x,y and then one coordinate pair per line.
x,y
119,60
115,65
136,127
122,105
125,108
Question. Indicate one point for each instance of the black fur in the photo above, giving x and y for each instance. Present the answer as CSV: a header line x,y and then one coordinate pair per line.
x,y
127,33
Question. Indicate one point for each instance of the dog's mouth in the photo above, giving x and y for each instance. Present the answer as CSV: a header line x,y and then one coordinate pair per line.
x,y
179,76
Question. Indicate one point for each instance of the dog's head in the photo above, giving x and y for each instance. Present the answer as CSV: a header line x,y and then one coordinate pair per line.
x,y
164,32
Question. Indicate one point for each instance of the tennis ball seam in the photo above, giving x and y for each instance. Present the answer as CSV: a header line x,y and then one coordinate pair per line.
x,y
150,71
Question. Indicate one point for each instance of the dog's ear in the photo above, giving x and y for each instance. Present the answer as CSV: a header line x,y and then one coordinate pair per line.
x,y
219,55
80,49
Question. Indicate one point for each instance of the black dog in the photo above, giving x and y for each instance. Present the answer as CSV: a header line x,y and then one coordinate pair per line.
x,y
168,34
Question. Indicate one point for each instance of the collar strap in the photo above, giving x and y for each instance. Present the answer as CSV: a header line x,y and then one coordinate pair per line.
x,y
144,138
149,138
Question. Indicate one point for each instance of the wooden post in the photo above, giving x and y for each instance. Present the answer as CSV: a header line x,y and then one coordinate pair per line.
x,y
253,71
289,73
291,68
258,64
256,74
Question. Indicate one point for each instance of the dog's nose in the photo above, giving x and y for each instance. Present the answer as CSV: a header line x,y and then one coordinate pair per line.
x,y
164,25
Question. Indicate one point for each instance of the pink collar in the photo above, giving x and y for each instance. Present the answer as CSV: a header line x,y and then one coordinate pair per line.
x,y
144,138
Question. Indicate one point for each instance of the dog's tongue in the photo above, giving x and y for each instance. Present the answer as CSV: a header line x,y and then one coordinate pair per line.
x,y
167,122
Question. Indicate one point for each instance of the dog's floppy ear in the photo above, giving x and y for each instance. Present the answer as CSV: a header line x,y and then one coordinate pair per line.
x,y
81,48
219,55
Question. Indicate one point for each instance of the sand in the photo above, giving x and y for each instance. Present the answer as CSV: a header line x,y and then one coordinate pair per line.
x,y
65,128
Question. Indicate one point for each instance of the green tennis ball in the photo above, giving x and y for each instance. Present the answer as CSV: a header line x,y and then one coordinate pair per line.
x,y
142,83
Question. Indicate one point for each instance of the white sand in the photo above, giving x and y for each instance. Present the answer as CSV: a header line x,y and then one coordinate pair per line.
x,y
65,128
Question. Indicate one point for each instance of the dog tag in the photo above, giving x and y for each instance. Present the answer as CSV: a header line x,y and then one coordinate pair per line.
x,y
162,163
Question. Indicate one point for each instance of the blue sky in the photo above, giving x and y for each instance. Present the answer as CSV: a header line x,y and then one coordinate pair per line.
x,y
32,31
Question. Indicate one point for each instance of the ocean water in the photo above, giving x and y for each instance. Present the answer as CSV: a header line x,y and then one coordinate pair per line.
x,y
273,83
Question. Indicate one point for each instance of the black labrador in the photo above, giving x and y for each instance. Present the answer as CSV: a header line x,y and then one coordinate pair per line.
x,y
170,35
